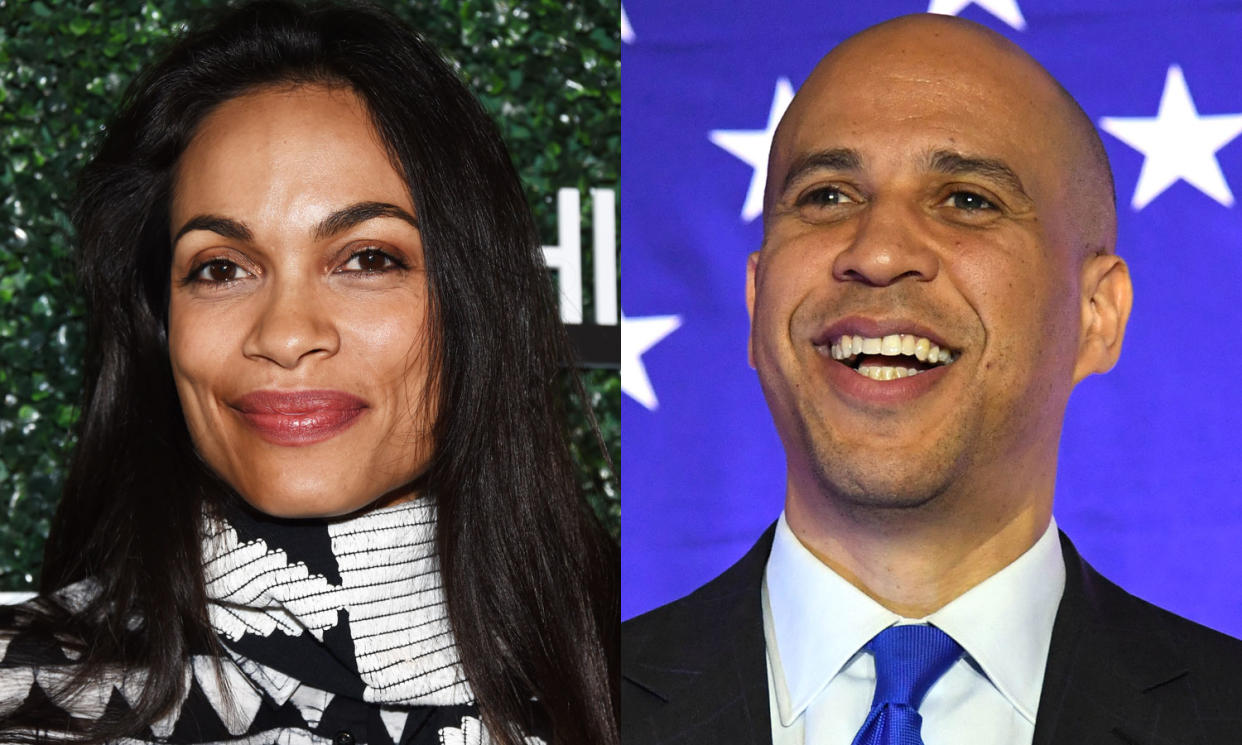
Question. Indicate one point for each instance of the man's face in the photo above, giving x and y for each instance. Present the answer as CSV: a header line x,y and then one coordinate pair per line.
x,y
918,199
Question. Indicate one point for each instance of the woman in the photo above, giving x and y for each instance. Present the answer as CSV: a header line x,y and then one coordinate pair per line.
x,y
322,491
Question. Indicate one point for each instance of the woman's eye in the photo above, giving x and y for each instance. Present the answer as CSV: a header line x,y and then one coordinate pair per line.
x,y
968,200
371,261
827,196
217,272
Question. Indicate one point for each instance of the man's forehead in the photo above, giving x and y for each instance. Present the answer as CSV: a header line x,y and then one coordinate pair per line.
x,y
922,65
918,86
927,82
920,129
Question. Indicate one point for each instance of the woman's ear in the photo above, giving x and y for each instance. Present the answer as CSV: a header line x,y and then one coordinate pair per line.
x,y
1106,299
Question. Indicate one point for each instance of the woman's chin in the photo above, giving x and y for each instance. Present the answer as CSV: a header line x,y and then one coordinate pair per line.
x,y
322,503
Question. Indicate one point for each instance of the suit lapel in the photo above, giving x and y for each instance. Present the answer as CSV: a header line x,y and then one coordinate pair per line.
x,y
715,682
729,701
1113,677
1116,673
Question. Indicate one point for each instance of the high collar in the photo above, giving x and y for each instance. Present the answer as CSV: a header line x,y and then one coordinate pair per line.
x,y
353,606
819,621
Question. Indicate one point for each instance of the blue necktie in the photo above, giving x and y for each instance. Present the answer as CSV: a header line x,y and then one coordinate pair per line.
x,y
908,660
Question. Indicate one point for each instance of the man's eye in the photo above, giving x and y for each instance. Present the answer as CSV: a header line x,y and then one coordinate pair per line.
x,y
827,196
217,272
968,200
371,261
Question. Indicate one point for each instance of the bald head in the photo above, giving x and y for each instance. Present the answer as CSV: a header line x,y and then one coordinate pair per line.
x,y
977,93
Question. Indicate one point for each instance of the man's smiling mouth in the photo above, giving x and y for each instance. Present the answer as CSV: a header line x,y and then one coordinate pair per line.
x,y
890,357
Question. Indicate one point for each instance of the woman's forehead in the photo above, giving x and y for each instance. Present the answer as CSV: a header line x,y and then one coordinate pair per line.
x,y
281,151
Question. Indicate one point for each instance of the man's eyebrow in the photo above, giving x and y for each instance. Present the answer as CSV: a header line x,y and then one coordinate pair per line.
x,y
953,163
834,159
225,226
356,214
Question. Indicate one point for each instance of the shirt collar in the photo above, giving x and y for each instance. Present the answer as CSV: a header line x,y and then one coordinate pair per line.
x,y
818,621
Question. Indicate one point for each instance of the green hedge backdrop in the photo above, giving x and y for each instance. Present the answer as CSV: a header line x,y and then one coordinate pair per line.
x,y
548,71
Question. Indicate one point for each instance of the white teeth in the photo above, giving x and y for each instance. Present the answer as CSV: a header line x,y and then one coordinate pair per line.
x,y
891,345
885,372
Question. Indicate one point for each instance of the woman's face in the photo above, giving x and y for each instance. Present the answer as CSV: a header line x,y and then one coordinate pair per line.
x,y
298,325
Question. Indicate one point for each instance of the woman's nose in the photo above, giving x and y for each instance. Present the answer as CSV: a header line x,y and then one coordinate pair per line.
x,y
291,324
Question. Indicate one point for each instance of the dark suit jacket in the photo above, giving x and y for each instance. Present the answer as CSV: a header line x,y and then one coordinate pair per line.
x,y
1120,670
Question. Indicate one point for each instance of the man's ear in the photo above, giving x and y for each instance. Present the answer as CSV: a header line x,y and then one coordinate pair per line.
x,y
752,266
1106,299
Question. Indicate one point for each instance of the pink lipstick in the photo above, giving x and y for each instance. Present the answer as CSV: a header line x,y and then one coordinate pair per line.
x,y
294,418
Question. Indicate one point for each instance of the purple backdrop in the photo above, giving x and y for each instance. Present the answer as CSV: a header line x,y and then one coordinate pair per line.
x,y
1149,472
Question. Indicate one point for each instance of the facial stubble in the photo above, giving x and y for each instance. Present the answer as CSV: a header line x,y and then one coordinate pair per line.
x,y
868,483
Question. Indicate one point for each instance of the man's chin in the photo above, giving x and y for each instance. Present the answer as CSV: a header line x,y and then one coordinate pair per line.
x,y
881,489
893,500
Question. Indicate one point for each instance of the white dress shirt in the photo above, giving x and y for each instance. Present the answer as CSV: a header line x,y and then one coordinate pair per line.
x,y
821,681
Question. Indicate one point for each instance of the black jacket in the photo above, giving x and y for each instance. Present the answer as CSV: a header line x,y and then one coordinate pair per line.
x,y
1120,670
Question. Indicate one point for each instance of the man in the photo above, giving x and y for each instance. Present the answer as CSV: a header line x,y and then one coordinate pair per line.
x,y
937,273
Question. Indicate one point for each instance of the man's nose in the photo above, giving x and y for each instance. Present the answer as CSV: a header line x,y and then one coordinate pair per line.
x,y
292,324
888,246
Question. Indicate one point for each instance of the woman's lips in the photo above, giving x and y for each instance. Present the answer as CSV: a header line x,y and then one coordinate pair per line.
x,y
294,418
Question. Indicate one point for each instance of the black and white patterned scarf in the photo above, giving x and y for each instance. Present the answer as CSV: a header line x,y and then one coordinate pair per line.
x,y
354,607
336,633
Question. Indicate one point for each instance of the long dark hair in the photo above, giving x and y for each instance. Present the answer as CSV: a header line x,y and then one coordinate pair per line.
x,y
530,577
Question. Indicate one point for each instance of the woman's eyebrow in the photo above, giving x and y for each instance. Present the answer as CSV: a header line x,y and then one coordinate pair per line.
x,y
335,223
225,226
356,214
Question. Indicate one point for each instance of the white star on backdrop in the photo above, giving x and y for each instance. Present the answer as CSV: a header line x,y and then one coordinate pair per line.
x,y
627,31
751,145
1177,143
1006,10
637,336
